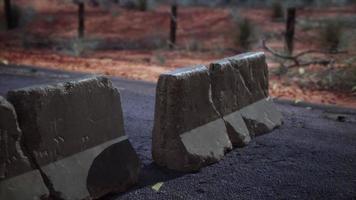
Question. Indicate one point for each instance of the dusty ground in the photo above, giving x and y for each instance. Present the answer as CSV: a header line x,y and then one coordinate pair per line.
x,y
132,44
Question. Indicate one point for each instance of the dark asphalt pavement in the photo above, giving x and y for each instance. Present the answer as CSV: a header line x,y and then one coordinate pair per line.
x,y
312,156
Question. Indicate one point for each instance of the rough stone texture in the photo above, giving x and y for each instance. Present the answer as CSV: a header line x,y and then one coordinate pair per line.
x,y
12,159
237,82
261,117
67,126
64,119
15,168
188,133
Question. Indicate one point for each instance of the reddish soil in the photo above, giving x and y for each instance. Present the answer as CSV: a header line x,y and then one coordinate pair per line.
x,y
204,34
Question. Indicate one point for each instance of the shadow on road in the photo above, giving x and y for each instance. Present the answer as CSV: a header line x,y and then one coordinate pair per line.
x,y
149,176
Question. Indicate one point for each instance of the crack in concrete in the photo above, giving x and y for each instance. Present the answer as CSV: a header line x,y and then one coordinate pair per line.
x,y
229,128
4,157
244,82
53,194
258,127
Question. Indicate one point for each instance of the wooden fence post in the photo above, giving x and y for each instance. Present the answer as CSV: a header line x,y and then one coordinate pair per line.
x,y
81,19
173,30
8,14
290,29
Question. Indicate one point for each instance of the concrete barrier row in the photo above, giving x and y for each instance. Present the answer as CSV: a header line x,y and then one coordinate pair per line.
x,y
67,141
202,112
72,144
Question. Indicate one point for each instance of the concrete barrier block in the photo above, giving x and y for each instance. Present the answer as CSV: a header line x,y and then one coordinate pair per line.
x,y
69,128
18,180
188,132
239,82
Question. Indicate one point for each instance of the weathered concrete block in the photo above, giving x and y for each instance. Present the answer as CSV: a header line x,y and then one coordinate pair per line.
x,y
188,133
238,82
63,119
18,180
67,128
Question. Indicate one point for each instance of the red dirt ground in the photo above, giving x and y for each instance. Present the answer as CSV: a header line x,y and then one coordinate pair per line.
x,y
204,34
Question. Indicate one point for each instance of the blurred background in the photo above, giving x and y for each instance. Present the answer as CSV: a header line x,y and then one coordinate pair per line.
x,y
310,44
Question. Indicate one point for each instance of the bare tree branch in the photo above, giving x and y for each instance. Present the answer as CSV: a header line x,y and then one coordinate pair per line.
x,y
313,62
318,51
297,62
279,55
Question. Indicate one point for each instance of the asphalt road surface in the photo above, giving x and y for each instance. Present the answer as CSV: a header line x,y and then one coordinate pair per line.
x,y
312,156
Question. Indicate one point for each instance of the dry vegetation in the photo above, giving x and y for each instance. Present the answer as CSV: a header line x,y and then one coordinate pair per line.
x,y
131,43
